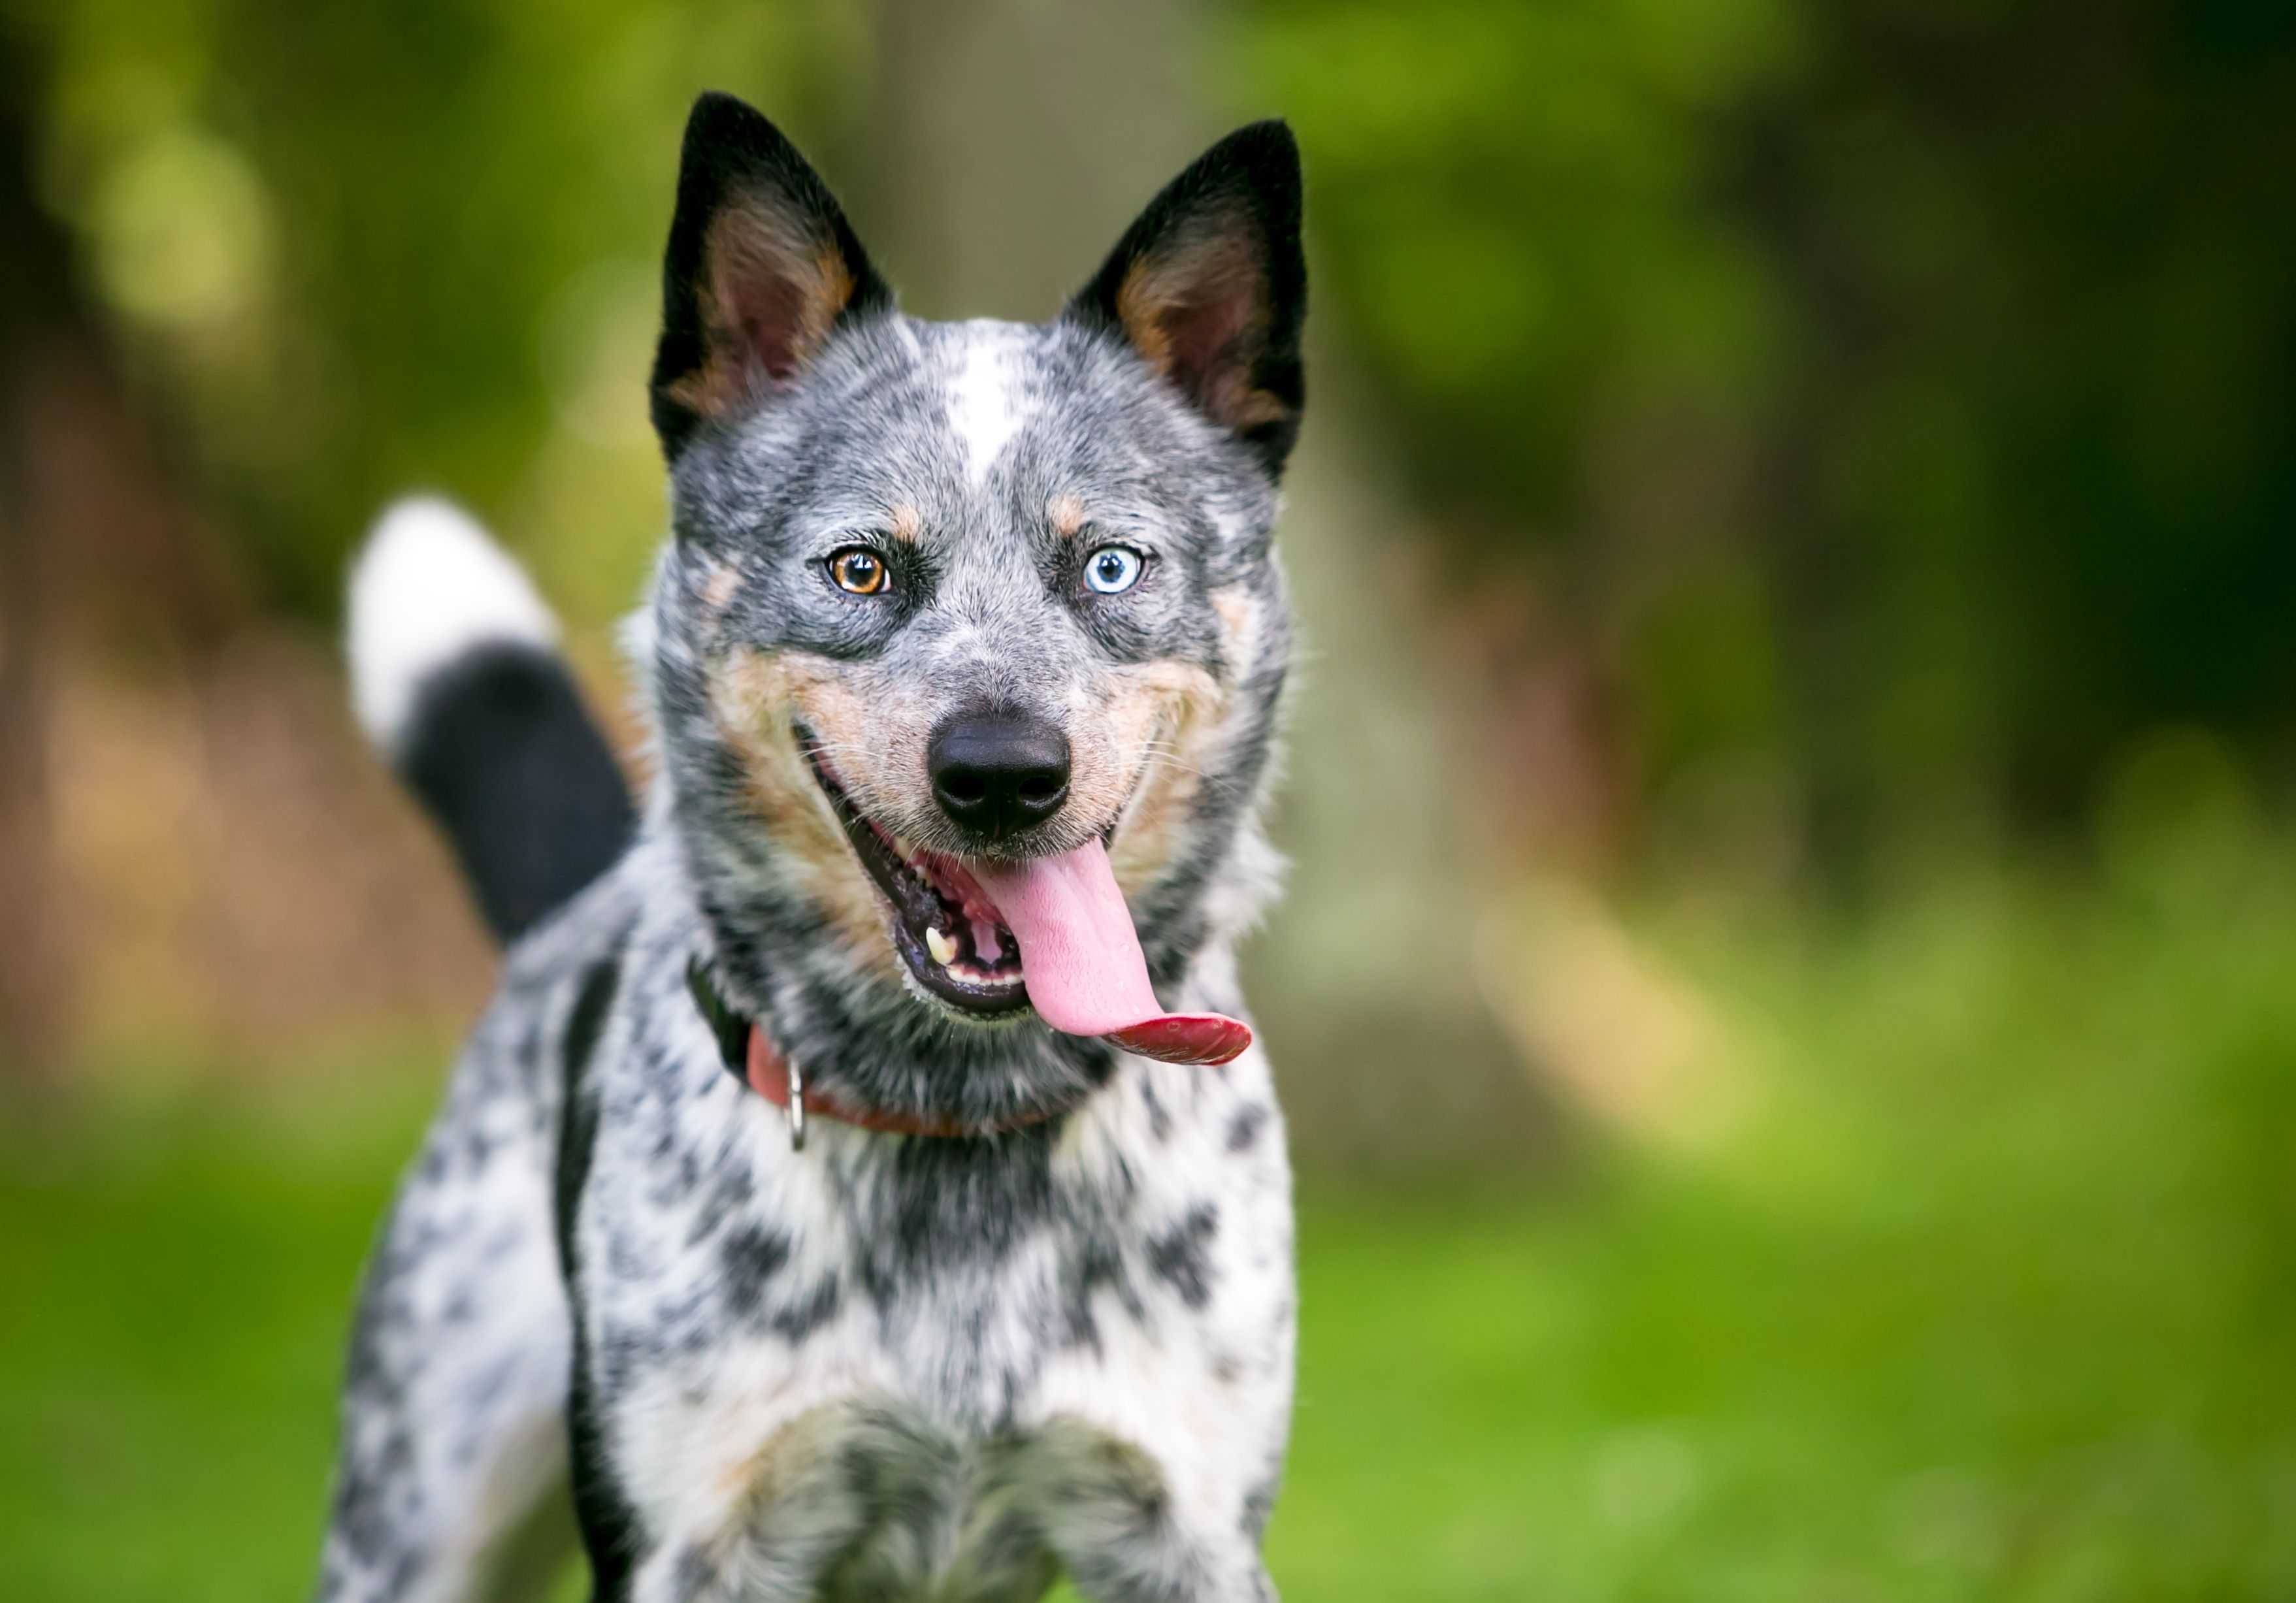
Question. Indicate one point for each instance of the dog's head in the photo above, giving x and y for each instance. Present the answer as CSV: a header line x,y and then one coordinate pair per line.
x,y
949,603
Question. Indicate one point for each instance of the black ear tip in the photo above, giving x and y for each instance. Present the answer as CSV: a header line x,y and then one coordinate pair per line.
x,y
713,108
1267,149
722,122
1260,160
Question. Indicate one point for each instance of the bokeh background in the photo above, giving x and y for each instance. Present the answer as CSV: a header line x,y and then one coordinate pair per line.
x,y
1788,1003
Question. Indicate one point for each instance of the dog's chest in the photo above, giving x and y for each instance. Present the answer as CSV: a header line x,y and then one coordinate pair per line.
x,y
912,1349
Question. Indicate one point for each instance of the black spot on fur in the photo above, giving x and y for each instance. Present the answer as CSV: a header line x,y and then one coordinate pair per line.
x,y
815,1310
1244,1129
695,1571
749,1258
362,1514
1182,1256
1258,1504
730,1188
955,1203
1097,1267
1160,1123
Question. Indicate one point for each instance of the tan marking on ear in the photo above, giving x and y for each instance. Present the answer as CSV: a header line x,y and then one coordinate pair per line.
x,y
1141,305
1201,288
758,268
757,699
833,294
704,391
906,523
1066,514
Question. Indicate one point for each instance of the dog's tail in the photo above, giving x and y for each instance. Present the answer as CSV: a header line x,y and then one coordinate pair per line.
x,y
456,676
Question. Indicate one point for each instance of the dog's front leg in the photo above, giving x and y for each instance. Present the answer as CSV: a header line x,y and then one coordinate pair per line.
x,y
849,1499
449,1483
1125,1531
1167,1566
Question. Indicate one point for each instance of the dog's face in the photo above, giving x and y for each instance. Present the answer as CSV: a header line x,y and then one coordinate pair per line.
x,y
948,596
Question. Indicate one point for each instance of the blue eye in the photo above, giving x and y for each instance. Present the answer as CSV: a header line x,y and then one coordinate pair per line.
x,y
1111,568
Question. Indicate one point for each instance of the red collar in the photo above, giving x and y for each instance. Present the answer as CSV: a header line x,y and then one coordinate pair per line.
x,y
752,1059
768,1073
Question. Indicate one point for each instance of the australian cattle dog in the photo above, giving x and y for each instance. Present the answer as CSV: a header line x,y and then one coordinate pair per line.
x,y
863,1185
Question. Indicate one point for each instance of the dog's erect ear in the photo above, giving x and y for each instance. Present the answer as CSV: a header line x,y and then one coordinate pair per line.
x,y
760,268
1210,288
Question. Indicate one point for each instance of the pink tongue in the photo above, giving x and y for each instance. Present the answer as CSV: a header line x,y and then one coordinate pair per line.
x,y
1085,973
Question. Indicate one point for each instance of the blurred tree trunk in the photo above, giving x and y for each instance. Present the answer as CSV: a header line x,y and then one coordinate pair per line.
x,y
37,310
1816,559
93,518
1008,143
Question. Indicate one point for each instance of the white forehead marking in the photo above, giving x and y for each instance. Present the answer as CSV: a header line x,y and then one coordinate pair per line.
x,y
981,410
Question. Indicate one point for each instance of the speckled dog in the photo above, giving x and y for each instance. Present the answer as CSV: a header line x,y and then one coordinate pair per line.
x,y
828,1198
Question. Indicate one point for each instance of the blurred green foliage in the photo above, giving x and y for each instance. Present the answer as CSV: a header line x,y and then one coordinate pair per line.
x,y
1896,403
1989,1296
356,247
1902,393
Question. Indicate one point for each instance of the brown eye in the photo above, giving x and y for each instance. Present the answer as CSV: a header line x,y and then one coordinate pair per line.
x,y
860,571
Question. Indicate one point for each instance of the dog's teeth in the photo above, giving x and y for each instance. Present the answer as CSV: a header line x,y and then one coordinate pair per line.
x,y
905,847
943,949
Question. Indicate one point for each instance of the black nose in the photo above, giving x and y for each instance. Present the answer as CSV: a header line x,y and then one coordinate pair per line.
x,y
999,773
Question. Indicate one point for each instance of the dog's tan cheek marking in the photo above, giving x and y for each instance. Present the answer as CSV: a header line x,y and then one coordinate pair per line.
x,y
873,735
1172,717
758,698
1163,722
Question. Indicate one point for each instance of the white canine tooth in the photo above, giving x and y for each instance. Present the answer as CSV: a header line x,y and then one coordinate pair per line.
x,y
943,949
905,846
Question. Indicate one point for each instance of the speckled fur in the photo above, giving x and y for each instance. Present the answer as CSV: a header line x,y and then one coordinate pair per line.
x,y
884,1367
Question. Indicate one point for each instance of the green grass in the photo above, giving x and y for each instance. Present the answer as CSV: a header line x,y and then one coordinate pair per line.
x,y
173,1285
1993,1295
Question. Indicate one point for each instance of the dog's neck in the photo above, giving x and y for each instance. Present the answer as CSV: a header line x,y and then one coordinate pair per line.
x,y
747,1050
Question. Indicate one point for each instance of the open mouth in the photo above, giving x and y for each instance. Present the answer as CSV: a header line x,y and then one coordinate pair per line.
x,y
963,928
945,927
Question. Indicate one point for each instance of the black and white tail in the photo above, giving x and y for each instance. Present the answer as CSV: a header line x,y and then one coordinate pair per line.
x,y
456,676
